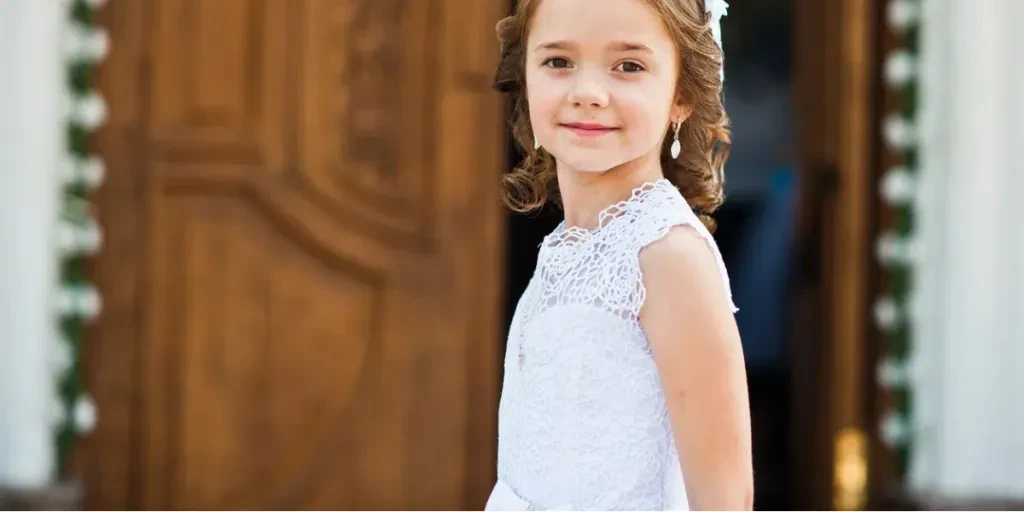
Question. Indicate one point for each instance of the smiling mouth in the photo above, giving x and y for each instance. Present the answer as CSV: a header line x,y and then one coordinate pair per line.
x,y
588,130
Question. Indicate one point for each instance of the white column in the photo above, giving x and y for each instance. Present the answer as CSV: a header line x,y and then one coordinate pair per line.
x,y
31,145
969,330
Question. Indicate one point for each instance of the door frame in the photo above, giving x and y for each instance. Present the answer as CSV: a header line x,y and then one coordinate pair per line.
x,y
108,462
836,77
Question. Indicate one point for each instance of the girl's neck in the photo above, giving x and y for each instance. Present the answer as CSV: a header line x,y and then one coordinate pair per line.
x,y
586,194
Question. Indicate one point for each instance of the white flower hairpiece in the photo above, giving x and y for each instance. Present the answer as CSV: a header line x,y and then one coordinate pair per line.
x,y
716,9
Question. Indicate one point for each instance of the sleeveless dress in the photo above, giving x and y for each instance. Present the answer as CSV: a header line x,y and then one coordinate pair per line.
x,y
582,422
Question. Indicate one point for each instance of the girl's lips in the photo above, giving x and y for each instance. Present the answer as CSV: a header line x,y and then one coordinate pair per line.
x,y
588,130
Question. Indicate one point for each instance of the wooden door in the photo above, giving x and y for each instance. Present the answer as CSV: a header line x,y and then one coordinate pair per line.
x,y
302,274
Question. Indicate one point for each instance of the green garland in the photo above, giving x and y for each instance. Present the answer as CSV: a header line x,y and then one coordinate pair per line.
x,y
78,234
896,247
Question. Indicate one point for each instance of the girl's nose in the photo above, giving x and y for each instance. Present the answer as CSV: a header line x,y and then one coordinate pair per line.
x,y
589,91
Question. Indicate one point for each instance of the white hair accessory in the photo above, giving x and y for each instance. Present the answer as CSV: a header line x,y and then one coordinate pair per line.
x,y
716,9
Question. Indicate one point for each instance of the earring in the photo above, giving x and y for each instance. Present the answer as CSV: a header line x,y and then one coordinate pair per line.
x,y
676,146
536,143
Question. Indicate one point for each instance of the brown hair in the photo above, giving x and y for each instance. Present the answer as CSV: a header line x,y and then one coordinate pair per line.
x,y
698,172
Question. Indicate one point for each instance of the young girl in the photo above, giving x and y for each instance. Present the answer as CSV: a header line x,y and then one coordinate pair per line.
x,y
624,380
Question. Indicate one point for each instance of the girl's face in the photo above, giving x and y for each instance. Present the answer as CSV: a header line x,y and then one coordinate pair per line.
x,y
601,78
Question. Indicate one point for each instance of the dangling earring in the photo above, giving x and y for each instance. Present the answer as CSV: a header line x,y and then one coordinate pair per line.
x,y
536,143
676,146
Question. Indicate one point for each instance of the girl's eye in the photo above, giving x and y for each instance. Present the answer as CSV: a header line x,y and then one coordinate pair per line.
x,y
556,63
630,67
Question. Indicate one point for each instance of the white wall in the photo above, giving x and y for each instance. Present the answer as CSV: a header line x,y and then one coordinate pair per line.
x,y
31,142
969,389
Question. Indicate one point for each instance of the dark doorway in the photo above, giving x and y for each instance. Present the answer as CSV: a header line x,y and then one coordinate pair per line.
x,y
756,228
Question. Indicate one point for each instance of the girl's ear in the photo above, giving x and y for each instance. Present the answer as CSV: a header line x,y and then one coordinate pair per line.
x,y
681,111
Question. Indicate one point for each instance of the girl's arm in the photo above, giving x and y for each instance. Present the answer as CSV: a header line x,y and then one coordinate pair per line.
x,y
690,326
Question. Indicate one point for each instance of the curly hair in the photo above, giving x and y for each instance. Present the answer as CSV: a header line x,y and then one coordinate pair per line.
x,y
697,173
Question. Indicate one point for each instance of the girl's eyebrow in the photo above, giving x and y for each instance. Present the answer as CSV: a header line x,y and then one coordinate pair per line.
x,y
554,45
620,46
626,46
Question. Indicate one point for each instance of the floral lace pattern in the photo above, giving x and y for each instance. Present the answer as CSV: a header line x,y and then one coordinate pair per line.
x,y
582,421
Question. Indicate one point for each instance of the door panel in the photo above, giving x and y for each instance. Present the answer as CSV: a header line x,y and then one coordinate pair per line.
x,y
312,312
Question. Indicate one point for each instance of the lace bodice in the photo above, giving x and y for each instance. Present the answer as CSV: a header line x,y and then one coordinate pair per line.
x,y
582,421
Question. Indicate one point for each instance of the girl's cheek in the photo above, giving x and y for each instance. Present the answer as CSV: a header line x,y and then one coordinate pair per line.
x,y
544,94
542,111
645,101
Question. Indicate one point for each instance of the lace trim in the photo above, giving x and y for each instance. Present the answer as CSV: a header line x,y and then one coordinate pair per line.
x,y
569,238
563,235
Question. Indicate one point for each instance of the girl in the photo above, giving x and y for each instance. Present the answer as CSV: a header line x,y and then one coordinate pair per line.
x,y
624,381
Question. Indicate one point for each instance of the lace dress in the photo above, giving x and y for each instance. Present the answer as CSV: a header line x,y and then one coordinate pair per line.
x,y
582,421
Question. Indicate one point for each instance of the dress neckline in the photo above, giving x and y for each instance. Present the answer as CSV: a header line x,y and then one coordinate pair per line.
x,y
573,235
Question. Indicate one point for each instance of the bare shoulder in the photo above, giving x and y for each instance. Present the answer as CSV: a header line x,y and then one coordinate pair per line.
x,y
681,274
681,254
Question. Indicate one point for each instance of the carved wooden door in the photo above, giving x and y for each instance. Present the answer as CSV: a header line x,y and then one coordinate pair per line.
x,y
302,274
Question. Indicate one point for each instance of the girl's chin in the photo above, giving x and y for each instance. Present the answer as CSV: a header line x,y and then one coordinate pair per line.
x,y
589,165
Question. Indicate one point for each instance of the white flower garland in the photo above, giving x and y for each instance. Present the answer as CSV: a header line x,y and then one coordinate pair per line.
x,y
896,247
78,235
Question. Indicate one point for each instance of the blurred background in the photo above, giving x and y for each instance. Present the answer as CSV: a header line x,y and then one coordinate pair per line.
x,y
254,255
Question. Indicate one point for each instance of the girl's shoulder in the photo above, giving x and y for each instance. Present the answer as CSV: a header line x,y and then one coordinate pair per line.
x,y
675,245
686,260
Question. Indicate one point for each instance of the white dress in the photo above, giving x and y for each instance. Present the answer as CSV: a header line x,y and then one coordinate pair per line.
x,y
582,422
